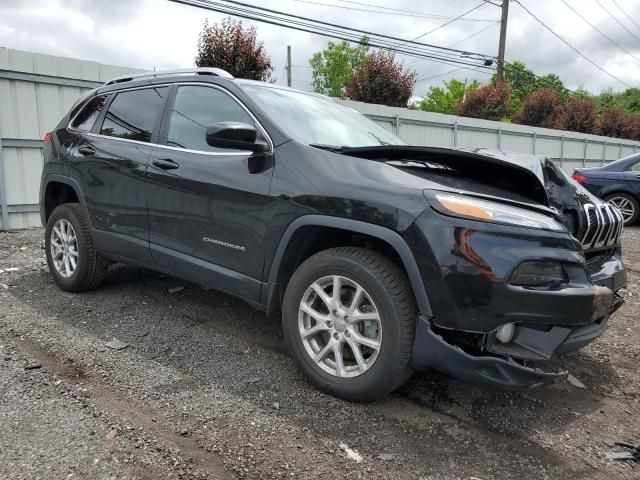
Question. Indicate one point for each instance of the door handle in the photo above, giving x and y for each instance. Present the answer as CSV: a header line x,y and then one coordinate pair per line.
x,y
165,164
86,151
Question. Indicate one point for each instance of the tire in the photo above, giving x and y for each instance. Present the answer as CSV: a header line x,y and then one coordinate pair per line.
x,y
90,269
385,292
628,206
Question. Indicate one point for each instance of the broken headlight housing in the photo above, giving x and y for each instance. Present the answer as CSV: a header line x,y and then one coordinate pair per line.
x,y
490,211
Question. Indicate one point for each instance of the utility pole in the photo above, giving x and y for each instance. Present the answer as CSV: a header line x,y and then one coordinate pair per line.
x,y
503,39
288,65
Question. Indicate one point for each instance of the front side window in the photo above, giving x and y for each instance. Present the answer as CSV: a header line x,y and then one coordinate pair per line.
x,y
635,167
197,108
133,115
86,118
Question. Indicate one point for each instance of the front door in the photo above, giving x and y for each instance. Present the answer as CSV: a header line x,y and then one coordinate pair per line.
x,y
206,204
632,177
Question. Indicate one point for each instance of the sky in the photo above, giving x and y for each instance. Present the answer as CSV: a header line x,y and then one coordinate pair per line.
x,y
161,34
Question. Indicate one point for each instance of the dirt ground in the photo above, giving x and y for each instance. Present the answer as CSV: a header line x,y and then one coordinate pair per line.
x,y
205,389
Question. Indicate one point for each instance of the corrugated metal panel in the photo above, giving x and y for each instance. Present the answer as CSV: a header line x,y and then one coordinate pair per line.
x,y
28,109
31,106
428,128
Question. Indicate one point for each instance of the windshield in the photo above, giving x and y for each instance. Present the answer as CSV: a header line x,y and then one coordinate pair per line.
x,y
313,119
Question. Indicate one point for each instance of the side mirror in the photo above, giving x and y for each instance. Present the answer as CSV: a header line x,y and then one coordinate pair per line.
x,y
235,135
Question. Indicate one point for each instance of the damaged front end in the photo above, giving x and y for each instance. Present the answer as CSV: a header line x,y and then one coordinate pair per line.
x,y
512,363
519,263
501,371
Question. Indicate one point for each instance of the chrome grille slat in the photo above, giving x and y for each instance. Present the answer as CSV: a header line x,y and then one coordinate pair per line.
x,y
604,226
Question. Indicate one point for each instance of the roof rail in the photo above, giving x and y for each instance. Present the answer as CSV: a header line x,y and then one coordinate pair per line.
x,y
217,72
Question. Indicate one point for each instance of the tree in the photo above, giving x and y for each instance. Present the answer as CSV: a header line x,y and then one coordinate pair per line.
x,y
445,99
333,67
229,46
382,80
579,116
541,108
628,100
524,81
612,122
490,102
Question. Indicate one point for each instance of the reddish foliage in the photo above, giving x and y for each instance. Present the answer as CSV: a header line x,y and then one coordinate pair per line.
x,y
613,122
579,116
237,50
632,127
490,102
382,80
541,108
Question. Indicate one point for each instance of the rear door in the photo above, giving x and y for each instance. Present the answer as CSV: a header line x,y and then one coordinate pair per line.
x,y
110,162
206,204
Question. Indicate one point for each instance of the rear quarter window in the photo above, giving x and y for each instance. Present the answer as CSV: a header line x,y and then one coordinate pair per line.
x,y
87,116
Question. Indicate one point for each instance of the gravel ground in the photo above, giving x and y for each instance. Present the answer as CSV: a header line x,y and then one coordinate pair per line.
x,y
205,389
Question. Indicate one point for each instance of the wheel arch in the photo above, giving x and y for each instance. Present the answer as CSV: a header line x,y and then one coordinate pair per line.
x,y
618,188
273,288
58,189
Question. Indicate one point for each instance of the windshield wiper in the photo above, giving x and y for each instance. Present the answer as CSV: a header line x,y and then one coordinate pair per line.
x,y
382,142
330,148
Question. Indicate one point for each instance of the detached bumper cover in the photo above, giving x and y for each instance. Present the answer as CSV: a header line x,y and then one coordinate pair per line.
x,y
431,351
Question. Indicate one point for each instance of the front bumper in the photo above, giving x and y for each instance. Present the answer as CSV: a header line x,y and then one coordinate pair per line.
x,y
466,268
432,351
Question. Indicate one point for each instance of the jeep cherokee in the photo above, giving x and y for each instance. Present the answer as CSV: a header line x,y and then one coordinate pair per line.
x,y
380,257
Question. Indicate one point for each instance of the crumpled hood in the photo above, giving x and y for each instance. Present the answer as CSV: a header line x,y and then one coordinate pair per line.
x,y
565,195
529,161
522,177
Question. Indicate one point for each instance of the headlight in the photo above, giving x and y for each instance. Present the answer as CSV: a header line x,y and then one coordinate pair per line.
x,y
475,208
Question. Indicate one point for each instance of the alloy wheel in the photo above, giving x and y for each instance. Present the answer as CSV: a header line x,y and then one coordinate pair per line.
x,y
340,326
624,205
64,248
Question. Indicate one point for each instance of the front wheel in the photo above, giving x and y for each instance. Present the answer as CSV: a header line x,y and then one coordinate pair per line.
x,y
627,205
349,320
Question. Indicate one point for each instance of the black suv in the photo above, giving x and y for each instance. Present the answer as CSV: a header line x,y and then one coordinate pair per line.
x,y
381,257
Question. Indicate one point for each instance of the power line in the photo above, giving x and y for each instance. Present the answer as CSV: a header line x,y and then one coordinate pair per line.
x,y
416,49
474,34
439,75
493,3
569,45
481,4
396,13
412,12
625,13
600,31
461,41
350,29
618,21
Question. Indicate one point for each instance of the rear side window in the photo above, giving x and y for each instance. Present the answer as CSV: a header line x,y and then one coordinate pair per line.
x,y
87,117
195,109
133,115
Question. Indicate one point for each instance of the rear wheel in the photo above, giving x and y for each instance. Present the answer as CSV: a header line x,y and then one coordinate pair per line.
x,y
627,204
71,256
349,321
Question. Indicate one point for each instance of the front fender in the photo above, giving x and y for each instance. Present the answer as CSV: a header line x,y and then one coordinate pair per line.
x,y
389,236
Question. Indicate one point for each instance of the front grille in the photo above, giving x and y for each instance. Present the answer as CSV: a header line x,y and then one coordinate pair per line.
x,y
604,226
